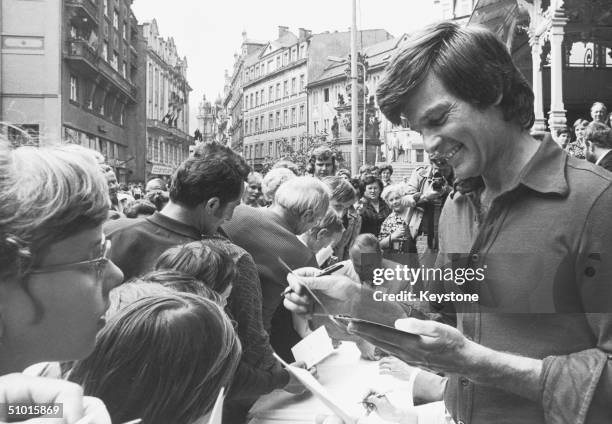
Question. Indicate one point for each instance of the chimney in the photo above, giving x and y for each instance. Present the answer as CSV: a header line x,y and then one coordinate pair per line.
x,y
244,36
282,30
304,33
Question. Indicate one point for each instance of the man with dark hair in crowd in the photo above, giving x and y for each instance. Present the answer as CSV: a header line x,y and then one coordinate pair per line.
x,y
536,346
322,162
598,138
204,191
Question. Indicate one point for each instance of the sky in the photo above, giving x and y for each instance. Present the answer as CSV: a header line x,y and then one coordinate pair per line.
x,y
209,32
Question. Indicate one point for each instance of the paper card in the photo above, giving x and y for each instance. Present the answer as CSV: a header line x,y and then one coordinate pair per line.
x,y
216,415
313,348
319,391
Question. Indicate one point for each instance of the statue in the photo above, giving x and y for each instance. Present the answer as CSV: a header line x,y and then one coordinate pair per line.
x,y
334,128
340,100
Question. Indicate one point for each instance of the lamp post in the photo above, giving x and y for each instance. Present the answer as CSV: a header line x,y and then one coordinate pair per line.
x,y
365,70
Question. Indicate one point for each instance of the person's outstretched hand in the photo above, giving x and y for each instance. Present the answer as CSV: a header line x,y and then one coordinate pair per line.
x,y
334,291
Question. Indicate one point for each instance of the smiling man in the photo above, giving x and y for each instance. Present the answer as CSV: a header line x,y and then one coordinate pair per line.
x,y
537,347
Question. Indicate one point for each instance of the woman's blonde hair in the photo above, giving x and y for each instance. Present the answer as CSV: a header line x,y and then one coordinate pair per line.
x,y
46,195
398,189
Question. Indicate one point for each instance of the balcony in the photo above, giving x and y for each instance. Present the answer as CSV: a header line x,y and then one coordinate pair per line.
x,y
85,59
85,7
83,56
117,79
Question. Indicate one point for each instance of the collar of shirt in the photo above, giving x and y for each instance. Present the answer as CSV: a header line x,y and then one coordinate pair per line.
x,y
605,152
174,226
545,172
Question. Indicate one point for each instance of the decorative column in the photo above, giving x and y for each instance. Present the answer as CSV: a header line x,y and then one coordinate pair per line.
x,y
556,118
539,125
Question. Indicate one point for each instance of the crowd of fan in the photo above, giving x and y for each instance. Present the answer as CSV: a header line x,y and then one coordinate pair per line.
x,y
590,140
191,269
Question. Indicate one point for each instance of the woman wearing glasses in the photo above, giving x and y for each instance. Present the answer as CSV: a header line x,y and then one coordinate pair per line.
x,y
54,275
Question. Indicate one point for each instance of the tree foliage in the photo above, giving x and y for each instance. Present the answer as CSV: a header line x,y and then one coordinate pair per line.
x,y
301,151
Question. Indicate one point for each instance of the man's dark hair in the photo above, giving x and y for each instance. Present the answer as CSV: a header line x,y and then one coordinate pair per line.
x,y
213,171
321,153
599,134
472,64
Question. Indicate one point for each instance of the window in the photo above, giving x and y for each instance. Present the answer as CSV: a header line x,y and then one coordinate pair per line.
x,y
73,88
285,88
105,51
262,96
325,124
270,93
419,155
302,82
246,127
125,26
269,66
303,51
278,92
256,125
115,19
294,54
326,95
278,124
256,71
270,147
293,85
271,121
293,116
285,58
278,62
257,99
251,102
124,70
149,148
261,122
115,61
301,113
105,5
246,102
315,125
285,116
315,96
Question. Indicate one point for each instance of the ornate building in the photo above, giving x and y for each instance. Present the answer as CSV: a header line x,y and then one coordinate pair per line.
x,y
211,121
74,72
563,47
233,91
167,104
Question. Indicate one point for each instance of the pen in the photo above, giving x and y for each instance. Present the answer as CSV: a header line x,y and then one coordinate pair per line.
x,y
327,271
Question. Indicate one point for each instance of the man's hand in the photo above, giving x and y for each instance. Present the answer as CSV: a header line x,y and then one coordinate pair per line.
x,y
390,365
381,405
427,344
334,291
77,409
368,350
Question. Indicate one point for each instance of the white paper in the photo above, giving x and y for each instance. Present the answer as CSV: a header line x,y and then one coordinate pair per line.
x,y
313,348
319,392
216,416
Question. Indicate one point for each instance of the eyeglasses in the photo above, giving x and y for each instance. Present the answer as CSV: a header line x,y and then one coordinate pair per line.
x,y
98,263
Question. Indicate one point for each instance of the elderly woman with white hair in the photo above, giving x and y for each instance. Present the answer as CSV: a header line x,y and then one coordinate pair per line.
x,y
55,276
395,238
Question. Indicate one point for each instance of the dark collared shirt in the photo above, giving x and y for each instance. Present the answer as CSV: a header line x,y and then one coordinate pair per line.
x,y
547,292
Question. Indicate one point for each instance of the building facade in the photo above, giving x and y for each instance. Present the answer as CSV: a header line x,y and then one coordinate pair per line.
x,y
70,70
167,104
233,92
275,98
329,103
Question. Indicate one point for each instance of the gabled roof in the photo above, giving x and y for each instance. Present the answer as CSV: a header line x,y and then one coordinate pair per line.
x,y
328,44
287,40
